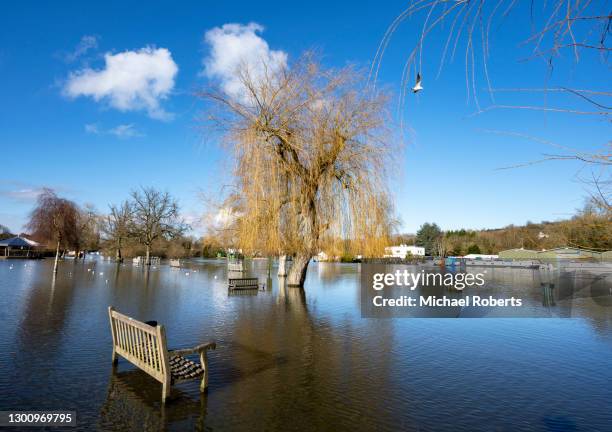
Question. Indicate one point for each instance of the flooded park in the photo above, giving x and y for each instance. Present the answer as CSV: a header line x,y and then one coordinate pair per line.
x,y
294,359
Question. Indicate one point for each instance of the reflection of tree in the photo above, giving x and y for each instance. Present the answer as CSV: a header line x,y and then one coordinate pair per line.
x,y
296,356
46,311
591,298
330,272
40,335
133,403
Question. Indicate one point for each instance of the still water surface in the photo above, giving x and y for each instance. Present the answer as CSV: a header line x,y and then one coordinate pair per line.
x,y
289,359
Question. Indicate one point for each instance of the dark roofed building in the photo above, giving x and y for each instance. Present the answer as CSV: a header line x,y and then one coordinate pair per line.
x,y
19,247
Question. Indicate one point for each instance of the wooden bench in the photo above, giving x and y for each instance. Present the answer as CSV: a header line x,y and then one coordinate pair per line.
x,y
145,347
243,283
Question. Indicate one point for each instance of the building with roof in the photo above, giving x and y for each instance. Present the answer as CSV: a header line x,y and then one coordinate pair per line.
x,y
19,247
402,251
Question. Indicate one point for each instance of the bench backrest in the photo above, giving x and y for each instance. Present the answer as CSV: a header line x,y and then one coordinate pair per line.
x,y
243,282
141,344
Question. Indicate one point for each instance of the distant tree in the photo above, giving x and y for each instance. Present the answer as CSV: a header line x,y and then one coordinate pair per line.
x,y
88,231
54,220
5,232
116,227
155,215
407,239
440,246
427,235
473,249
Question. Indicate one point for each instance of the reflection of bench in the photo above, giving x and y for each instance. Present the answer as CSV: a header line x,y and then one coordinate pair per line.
x,y
145,347
236,266
243,283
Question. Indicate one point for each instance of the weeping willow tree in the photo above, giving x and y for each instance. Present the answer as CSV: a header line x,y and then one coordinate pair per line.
x,y
311,153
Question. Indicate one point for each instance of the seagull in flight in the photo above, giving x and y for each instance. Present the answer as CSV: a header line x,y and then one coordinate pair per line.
x,y
417,87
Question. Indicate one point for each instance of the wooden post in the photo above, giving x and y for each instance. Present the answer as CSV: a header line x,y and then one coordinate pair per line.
x,y
56,257
282,265
204,362
114,333
163,349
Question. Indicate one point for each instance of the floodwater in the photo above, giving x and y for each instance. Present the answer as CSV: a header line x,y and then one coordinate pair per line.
x,y
291,359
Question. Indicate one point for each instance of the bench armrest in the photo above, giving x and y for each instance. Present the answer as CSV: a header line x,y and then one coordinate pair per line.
x,y
196,349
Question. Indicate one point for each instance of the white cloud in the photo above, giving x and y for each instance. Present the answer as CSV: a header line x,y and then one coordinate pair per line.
x,y
92,128
120,131
87,43
27,194
125,131
233,45
129,81
19,191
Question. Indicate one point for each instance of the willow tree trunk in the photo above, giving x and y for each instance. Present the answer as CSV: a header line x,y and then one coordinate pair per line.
x,y
282,266
56,257
297,272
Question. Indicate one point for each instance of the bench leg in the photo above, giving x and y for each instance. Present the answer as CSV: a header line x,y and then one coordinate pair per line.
x,y
204,362
165,391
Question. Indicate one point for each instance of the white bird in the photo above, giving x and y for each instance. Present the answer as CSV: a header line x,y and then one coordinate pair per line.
x,y
417,87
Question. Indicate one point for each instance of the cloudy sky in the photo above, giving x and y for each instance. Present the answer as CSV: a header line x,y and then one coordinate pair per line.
x,y
96,100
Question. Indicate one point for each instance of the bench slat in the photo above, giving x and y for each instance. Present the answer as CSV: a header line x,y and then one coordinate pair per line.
x,y
243,283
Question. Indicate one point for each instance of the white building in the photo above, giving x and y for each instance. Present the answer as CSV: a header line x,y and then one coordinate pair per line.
x,y
402,250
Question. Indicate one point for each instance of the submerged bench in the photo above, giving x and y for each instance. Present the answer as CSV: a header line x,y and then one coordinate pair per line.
x,y
145,346
243,283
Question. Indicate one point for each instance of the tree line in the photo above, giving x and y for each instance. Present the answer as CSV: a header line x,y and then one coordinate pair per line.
x,y
590,228
148,218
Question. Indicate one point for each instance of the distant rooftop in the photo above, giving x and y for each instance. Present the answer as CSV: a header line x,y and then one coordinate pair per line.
x,y
18,242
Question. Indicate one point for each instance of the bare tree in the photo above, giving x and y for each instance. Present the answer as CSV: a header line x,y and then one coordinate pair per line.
x,y
87,231
54,220
440,246
116,226
155,215
311,156
555,30
577,26
5,232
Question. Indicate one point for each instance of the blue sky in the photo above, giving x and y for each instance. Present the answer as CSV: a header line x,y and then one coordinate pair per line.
x,y
67,122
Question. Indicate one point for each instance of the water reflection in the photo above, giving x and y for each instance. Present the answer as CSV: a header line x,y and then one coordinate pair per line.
x,y
131,404
289,358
